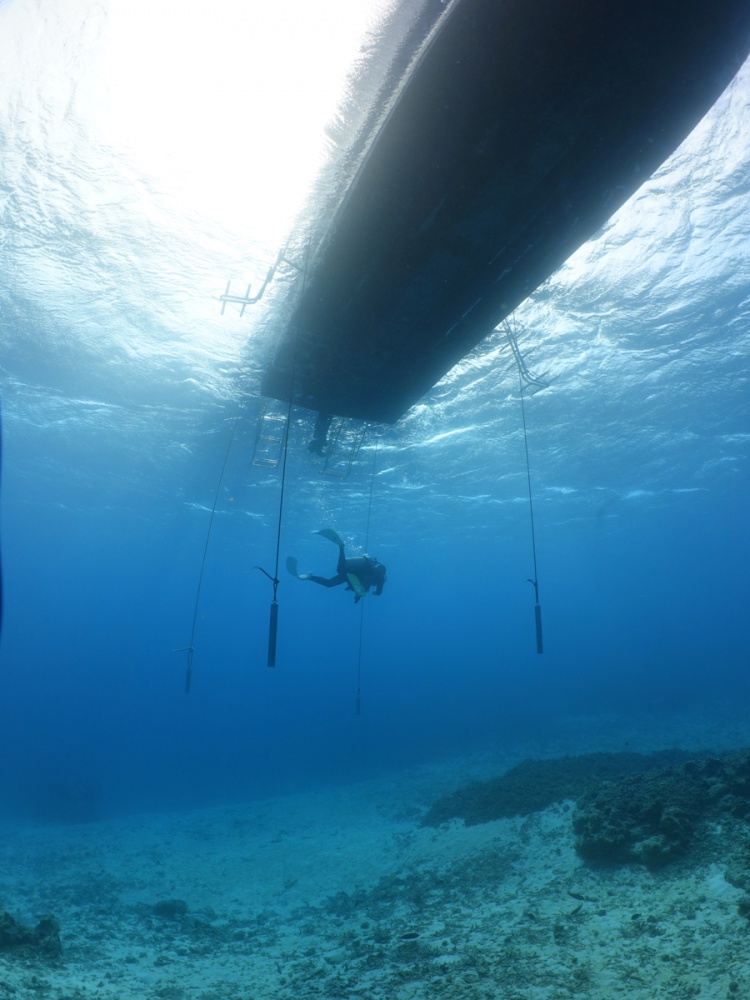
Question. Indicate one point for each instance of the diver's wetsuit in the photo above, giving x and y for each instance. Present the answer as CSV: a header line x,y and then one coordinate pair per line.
x,y
362,570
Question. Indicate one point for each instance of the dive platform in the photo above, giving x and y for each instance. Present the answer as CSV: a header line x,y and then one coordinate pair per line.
x,y
518,129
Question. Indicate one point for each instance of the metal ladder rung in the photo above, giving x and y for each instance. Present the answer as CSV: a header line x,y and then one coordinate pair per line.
x,y
269,439
346,440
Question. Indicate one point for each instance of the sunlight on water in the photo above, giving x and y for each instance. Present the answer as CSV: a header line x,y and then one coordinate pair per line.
x,y
152,152
225,104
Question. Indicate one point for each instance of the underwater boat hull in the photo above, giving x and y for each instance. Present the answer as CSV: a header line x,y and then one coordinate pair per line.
x,y
519,129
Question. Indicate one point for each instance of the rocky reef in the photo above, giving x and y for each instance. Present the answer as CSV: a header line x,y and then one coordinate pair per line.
x,y
41,941
652,818
643,808
533,785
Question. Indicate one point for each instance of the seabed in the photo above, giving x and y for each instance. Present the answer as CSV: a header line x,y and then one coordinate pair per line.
x,y
344,892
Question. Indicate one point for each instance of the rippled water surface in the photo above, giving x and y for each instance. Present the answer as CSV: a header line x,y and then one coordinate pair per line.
x,y
142,167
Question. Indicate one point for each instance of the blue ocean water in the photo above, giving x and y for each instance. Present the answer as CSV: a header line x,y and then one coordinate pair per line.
x,y
123,386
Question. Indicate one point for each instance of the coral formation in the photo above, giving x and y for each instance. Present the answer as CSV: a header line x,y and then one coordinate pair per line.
x,y
170,909
630,807
533,785
42,940
652,818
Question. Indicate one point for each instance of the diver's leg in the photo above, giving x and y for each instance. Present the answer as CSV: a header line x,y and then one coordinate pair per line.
x,y
333,581
341,565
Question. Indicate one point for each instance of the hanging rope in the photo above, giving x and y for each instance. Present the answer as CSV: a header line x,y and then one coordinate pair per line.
x,y
535,581
190,649
526,378
362,603
273,624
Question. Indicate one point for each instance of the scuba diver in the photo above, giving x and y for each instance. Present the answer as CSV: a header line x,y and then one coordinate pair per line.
x,y
359,573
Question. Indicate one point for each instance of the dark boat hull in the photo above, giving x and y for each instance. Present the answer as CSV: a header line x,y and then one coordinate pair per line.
x,y
521,128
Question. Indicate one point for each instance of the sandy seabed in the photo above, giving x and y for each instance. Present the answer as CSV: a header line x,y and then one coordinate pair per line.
x,y
339,892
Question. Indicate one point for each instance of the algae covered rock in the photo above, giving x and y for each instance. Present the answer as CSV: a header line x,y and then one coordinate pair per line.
x,y
647,818
533,785
737,872
630,807
44,939
170,909
651,818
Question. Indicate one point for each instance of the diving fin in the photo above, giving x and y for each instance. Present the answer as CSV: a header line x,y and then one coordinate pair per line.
x,y
331,535
291,565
